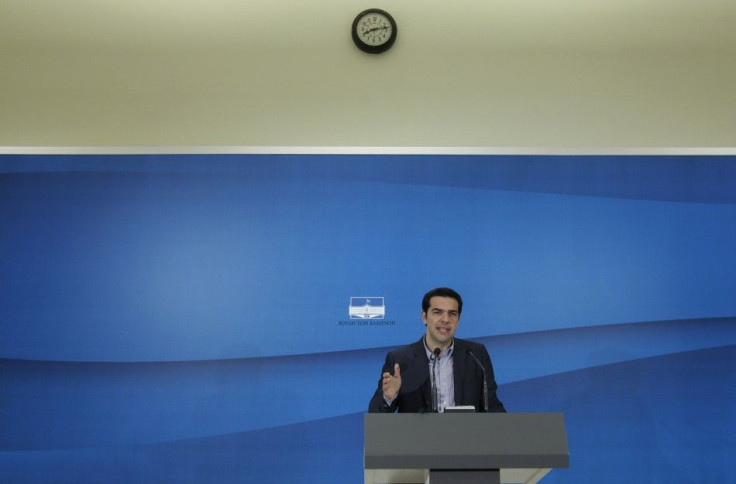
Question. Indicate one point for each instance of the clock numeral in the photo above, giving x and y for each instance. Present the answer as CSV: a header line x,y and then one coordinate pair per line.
x,y
373,31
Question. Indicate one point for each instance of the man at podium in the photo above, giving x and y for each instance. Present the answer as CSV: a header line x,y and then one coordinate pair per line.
x,y
439,371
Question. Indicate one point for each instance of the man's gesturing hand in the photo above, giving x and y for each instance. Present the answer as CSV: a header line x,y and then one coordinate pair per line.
x,y
391,384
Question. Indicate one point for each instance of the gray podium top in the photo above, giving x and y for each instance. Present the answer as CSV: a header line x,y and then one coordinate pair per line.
x,y
465,441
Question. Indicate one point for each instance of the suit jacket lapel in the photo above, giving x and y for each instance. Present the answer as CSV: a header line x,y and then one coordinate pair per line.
x,y
420,357
422,365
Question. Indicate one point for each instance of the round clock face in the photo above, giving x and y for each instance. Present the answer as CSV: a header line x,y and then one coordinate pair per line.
x,y
374,31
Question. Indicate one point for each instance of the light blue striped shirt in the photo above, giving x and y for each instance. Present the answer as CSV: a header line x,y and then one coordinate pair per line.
x,y
444,376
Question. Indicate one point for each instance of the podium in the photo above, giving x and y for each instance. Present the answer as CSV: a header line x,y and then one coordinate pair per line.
x,y
462,448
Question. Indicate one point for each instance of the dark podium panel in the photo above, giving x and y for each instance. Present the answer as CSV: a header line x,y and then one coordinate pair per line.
x,y
469,448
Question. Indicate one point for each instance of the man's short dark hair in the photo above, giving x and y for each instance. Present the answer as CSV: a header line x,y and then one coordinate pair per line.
x,y
442,292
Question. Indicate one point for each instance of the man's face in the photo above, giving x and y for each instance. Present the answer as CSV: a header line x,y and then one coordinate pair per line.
x,y
441,320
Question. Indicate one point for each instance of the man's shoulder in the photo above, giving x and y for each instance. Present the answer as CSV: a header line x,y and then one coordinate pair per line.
x,y
466,344
410,348
407,351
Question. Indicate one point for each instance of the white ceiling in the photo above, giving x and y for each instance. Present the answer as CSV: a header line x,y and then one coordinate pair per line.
x,y
590,25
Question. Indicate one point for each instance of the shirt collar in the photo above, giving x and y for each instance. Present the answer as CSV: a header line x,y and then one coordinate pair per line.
x,y
445,353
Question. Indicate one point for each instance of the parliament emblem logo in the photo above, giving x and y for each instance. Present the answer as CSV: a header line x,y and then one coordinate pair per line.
x,y
366,308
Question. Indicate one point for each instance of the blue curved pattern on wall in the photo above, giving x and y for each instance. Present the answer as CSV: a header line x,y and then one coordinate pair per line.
x,y
185,318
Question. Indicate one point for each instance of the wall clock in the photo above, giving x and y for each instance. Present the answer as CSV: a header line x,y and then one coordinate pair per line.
x,y
374,31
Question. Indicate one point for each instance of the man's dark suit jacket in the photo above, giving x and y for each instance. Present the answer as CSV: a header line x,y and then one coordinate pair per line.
x,y
414,395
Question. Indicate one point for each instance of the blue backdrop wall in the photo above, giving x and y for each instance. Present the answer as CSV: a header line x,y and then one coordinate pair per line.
x,y
185,318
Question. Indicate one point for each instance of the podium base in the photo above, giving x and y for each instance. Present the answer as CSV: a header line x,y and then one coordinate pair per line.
x,y
470,476
421,476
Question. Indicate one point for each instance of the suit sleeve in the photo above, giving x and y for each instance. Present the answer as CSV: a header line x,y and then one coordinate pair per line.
x,y
377,403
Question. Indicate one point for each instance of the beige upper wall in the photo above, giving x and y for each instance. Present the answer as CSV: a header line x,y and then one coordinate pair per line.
x,y
285,73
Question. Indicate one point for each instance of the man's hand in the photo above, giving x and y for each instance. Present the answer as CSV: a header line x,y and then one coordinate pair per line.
x,y
391,384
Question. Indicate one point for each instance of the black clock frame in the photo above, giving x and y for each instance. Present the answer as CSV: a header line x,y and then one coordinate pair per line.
x,y
374,49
